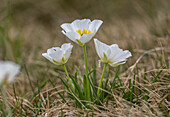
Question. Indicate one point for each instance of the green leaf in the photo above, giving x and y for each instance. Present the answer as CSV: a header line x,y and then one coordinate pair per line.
x,y
78,88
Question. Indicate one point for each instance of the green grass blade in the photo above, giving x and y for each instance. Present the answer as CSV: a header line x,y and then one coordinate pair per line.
x,y
78,88
39,88
158,75
58,93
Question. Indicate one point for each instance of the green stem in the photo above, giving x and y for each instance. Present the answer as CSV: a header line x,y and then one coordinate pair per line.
x,y
87,84
85,59
101,80
68,76
6,101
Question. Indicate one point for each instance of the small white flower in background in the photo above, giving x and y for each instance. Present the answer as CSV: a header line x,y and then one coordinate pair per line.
x,y
57,55
111,54
8,72
81,31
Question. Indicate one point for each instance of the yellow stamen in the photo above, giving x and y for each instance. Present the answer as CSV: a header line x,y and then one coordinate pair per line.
x,y
79,31
83,32
63,54
89,32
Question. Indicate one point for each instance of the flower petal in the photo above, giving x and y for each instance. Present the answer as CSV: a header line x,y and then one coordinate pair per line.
x,y
99,48
86,38
67,27
68,53
66,46
8,72
72,35
118,56
117,64
106,49
123,56
56,55
114,51
81,24
53,49
47,57
95,25
15,69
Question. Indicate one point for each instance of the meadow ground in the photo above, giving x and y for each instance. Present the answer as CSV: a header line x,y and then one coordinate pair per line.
x,y
29,28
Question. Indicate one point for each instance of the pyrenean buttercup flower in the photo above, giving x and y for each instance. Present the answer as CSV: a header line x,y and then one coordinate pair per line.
x,y
81,31
57,55
111,54
8,72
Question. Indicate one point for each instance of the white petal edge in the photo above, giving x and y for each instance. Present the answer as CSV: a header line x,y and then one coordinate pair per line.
x,y
99,48
72,36
81,24
14,71
65,46
95,25
67,27
68,52
114,51
47,57
123,56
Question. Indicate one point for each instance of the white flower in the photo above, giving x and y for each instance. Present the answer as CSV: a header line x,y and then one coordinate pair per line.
x,y
57,55
111,54
81,31
8,72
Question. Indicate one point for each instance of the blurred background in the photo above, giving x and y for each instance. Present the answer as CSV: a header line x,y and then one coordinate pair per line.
x,y
35,25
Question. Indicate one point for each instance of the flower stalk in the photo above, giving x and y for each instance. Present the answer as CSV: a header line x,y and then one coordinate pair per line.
x,y
85,59
65,69
87,88
101,79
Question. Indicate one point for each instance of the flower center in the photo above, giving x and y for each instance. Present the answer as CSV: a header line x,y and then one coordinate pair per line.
x,y
83,32
63,58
